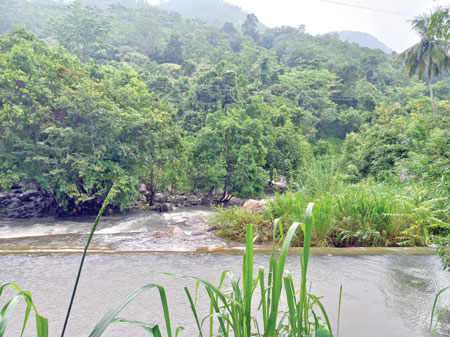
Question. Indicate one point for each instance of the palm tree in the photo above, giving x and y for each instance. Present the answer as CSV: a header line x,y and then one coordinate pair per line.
x,y
431,55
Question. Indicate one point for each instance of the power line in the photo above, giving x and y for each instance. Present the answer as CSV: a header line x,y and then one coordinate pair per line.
x,y
368,8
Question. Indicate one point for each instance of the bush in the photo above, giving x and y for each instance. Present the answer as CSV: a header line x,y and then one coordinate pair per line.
x,y
370,213
232,223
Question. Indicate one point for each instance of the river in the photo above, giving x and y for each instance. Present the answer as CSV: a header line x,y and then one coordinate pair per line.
x,y
383,295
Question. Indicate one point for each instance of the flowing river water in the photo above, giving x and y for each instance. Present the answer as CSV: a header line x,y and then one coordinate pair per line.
x,y
384,295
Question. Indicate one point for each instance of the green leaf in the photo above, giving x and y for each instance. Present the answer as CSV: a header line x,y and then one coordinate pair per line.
x,y
109,317
323,333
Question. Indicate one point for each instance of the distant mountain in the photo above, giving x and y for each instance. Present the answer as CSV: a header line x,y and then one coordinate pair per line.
x,y
213,12
364,40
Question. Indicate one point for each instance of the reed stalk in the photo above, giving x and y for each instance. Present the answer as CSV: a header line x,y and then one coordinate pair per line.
x,y
107,200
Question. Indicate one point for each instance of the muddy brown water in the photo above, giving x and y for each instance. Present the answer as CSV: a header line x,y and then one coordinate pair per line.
x,y
383,294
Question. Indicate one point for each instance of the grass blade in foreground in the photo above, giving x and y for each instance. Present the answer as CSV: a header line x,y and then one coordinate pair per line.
x,y
110,316
440,313
8,310
108,198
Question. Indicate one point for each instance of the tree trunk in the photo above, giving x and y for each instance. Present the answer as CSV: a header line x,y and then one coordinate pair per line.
x,y
430,87
151,193
207,196
224,194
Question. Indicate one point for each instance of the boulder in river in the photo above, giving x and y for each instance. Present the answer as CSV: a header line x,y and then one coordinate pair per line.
x,y
176,230
166,207
199,232
159,234
194,222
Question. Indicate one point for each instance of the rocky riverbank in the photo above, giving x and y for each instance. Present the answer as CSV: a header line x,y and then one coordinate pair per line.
x,y
29,201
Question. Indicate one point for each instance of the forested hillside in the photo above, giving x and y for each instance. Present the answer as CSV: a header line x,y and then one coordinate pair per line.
x,y
213,12
364,40
92,96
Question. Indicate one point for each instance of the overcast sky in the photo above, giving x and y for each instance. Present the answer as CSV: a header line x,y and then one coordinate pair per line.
x,y
323,17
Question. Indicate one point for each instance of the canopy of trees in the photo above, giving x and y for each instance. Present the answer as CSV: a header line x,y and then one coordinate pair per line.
x,y
90,96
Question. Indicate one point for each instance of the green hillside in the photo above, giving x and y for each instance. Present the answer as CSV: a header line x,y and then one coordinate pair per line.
x,y
364,40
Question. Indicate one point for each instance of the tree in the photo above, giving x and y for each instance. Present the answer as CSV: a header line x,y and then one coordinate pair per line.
x,y
228,28
228,153
431,55
287,150
250,25
73,134
174,51
81,30
440,23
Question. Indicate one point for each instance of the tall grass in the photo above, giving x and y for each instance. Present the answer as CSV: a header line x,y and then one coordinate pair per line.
x,y
437,318
231,312
369,213
365,214
319,176
233,221
323,215
288,207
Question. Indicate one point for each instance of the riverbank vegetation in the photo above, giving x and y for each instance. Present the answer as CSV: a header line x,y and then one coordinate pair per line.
x,y
368,213
143,96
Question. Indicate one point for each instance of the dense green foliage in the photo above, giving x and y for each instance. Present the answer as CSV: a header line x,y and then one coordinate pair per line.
x,y
430,56
74,129
154,98
391,213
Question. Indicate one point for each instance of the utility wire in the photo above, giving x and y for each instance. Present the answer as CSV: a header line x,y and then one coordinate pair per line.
x,y
368,8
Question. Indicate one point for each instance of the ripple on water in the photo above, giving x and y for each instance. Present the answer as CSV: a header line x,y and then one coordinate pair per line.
x,y
387,296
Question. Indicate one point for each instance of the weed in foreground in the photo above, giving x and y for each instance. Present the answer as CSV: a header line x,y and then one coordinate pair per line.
x,y
231,310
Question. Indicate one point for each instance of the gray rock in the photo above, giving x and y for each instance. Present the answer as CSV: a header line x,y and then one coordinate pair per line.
x,y
281,184
212,228
142,188
159,234
166,207
199,232
159,198
7,201
193,222
13,193
176,230
27,195
15,202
